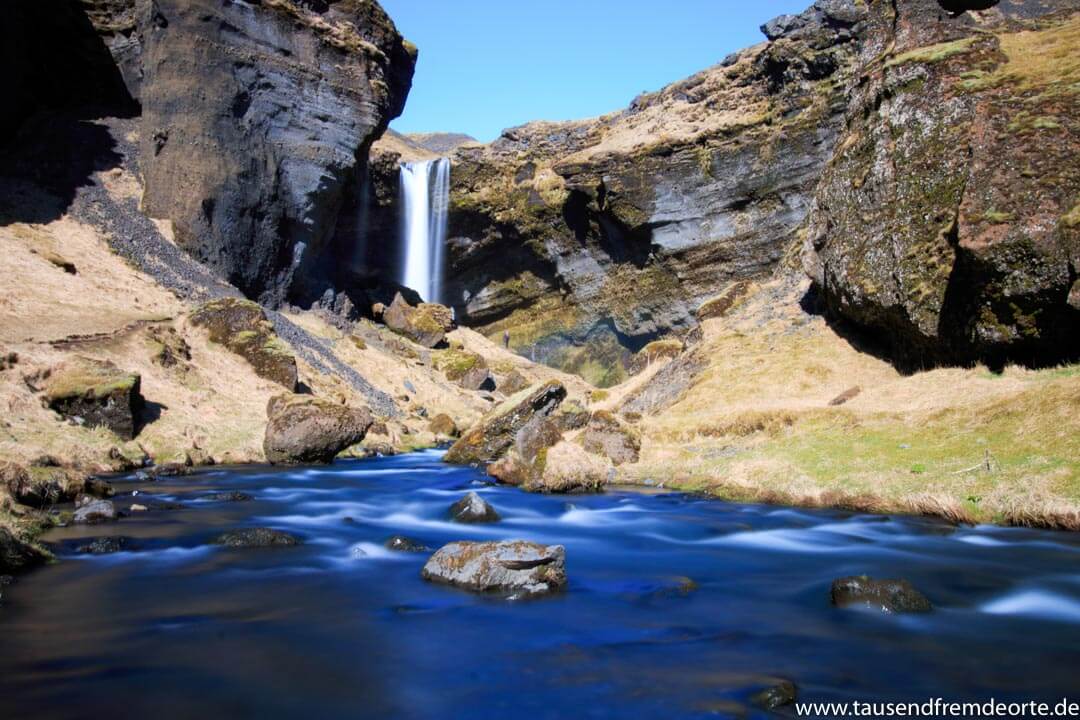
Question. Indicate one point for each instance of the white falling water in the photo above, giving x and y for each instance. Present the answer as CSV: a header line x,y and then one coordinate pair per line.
x,y
425,189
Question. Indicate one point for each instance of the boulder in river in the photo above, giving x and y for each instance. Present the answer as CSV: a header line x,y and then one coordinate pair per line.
x,y
258,537
105,545
94,511
230,496
888,596
400,543
96,393
512,567
473,509
495,433
303,429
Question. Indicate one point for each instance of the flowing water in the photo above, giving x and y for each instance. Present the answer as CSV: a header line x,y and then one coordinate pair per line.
x,y
425,190
341,627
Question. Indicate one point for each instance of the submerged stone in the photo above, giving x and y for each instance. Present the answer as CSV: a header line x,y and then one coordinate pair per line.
x,y
256,538
888,596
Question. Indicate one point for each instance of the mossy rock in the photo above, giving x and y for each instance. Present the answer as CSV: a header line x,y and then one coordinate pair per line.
x,y
607,436
456,364
726,301
304,429
242,327
426,324
96,393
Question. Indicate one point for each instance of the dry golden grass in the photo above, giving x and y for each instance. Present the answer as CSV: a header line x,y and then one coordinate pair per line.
x,y
964,444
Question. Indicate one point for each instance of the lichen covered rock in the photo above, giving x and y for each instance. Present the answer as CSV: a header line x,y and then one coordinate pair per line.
x,y
516,419
304,429
96,393
242,327
425,324
511,567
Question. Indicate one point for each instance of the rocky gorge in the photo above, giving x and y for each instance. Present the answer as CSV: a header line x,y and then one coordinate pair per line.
x,y
837,271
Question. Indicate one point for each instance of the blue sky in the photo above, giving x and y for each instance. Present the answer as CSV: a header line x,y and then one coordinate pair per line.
x,y
490,64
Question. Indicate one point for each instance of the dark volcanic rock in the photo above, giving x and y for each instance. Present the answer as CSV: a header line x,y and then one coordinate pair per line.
x,y
242,326
400,543
518,417
774,696
256,118
105,545
473,509
936,227
304,429
256,538
230,496
96,394
511,567
889,596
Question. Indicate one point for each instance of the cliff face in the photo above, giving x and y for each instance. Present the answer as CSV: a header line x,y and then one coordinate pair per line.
x,y
948,221
257,120
586,240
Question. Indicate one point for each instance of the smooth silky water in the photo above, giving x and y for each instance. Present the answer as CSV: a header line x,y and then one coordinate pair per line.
x,y
341,627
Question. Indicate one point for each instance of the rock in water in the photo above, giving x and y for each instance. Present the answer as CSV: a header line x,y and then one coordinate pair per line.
x,y
230,496
400,543
256,538
96,394
94,512
242,326
497,431
511,567
262,113
426,324
16,554
888,596
105,545
774,696
303,429
473,509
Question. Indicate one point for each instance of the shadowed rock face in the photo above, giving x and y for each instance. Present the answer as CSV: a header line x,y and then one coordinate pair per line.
x,y
948,222
256,122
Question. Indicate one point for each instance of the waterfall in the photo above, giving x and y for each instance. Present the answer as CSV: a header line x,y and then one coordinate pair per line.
x,y
425,191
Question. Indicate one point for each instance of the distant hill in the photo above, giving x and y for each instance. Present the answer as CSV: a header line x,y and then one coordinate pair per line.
x,y
440,142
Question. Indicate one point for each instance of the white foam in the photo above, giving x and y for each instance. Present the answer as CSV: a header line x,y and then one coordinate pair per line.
x,y
1036,603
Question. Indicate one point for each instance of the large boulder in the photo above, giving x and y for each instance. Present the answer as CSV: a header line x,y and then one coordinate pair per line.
x,y
256,119
425,324
608,436
94,512
510,567
467,369
888,596
521,419
304,429
947,224
96,393
242,327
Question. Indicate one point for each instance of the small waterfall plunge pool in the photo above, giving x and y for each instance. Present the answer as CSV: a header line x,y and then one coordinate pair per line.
x,y
342,627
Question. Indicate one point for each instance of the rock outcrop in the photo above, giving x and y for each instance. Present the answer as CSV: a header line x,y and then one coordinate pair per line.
x,y
588,239
948,222
511,567
303,429
517,422
608,436
256,121
242,326
95,393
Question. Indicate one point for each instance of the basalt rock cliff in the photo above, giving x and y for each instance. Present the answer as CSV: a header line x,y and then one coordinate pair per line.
x,y
918,155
